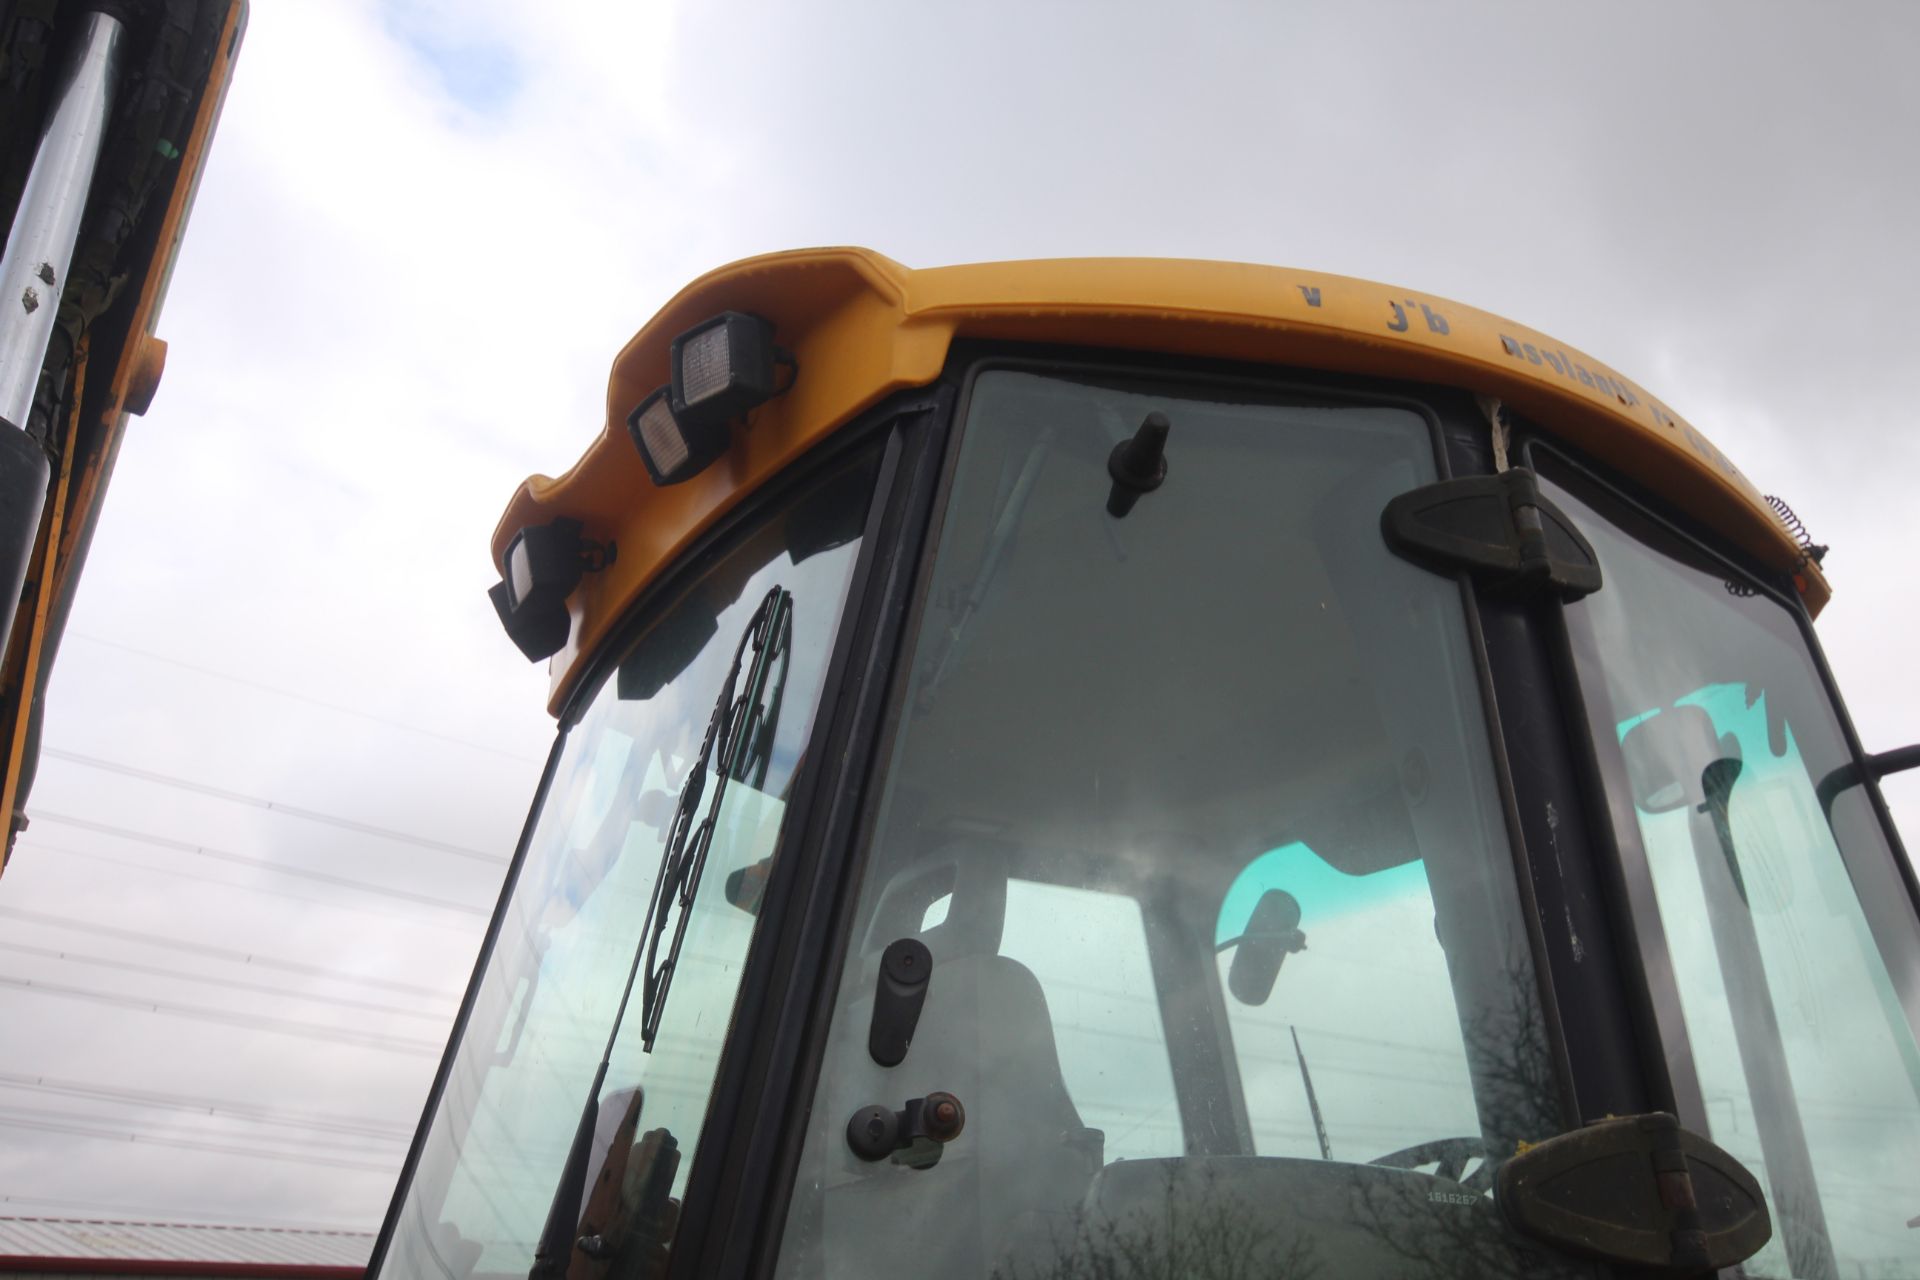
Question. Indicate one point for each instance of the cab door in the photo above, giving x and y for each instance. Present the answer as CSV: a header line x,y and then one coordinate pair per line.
x,y
1765,902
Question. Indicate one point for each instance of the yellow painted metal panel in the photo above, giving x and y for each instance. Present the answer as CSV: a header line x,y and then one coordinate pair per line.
x,y
862,326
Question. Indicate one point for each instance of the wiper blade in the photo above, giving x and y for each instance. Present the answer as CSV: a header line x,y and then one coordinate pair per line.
x,y
740,733
1313,1103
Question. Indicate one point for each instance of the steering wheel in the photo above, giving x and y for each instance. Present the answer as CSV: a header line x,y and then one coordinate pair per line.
x,y
1451,1155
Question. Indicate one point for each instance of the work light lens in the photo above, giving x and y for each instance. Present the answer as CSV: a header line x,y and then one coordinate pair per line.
x,y
519,571
659,436
543,565
706,364
721,369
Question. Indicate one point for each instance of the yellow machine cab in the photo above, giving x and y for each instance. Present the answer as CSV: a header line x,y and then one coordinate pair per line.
x,y
1128,768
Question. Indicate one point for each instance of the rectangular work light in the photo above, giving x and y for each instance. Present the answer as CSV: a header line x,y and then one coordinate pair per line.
x,y
718,370
674,448
543,565
722,368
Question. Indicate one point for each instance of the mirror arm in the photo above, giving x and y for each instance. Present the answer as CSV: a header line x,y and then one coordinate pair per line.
x,y
1853,774
1294,939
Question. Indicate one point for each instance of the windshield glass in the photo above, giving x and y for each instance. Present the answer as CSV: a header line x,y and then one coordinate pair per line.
x,y
1194,812
1794,946
752,633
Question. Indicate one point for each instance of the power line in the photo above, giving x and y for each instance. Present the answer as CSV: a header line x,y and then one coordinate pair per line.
x,y
283,1117
292,811
263,864
352,1146
187,1216
260,1153
222,953
412,921
302,697
286,1026
442,1018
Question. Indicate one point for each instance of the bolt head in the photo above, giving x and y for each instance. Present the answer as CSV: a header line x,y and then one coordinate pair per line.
x,y
943,1116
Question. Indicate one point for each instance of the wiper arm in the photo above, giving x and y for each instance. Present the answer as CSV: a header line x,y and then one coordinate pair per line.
x,y
1313,1103
741,730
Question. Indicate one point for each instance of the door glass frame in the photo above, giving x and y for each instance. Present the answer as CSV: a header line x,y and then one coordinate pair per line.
x,y
1639,918
725,1203
1441,408
871,432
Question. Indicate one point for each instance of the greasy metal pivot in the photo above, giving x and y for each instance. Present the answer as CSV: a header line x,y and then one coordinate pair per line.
x,y
919,1129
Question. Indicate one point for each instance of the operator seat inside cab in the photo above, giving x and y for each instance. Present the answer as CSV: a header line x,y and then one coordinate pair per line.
x,y
1025,1160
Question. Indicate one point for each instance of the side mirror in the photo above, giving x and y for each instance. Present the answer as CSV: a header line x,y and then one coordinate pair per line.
x,y
1665,755
1875,767
1273,934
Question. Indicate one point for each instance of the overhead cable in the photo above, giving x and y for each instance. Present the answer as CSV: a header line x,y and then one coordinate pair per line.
x,y
412,921
251,1022
263,864
252,1113
232,954
310,700
441,1018
148,1139
275,806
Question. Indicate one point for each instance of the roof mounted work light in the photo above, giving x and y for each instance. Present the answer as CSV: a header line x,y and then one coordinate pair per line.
x,y
719,369
543,566
672,449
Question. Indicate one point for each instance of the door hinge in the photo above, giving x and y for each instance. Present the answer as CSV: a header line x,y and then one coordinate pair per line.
x,y
1499,528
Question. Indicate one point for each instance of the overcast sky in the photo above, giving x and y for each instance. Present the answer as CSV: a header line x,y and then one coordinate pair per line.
x,y
424,231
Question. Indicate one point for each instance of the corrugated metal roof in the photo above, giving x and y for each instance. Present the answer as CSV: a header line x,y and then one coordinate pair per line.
x,y
181,1242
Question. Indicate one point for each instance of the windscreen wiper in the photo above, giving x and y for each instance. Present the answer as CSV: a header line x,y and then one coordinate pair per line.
x,y
740,732
1313,1103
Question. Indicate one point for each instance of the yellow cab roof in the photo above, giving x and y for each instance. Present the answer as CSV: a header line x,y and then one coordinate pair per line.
x,y
862,326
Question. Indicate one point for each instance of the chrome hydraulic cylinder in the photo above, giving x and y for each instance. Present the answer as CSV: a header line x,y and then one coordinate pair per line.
x,y
40,245
33,274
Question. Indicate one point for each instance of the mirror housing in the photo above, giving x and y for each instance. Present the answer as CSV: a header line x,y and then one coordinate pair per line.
x,y
1666,754
1874,767
1273,933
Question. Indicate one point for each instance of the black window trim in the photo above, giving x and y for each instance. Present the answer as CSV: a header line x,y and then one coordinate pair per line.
x,y
747,1129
